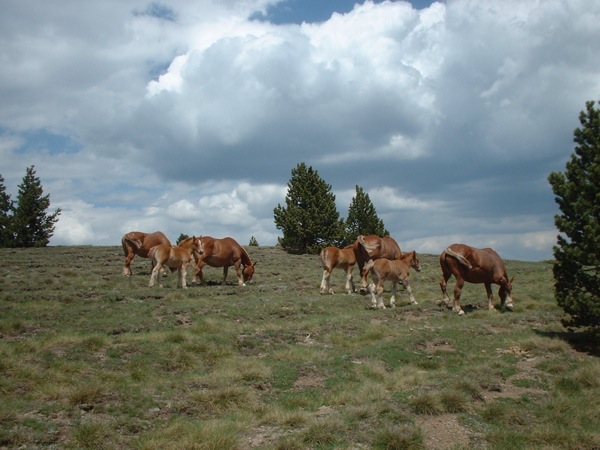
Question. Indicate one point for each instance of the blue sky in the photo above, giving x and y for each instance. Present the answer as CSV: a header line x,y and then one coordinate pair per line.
x,y
188,117
298,11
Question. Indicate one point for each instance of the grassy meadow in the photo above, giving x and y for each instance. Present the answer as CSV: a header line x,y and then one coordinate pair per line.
x,y
92,359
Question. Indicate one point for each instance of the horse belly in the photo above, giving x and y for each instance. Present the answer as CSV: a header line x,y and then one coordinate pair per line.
x,y
215,261
477,276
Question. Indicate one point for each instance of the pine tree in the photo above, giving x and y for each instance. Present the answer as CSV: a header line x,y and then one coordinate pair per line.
x,y
32,226
577,253
362,218
6,212
310,219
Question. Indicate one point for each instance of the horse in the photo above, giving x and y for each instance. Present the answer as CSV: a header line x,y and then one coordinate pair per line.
x,y
396,271
139,243
224,253
474,266
370,248
341,258
179,257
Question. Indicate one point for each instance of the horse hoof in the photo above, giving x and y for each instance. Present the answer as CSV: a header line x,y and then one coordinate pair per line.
x,y
509,306
461,313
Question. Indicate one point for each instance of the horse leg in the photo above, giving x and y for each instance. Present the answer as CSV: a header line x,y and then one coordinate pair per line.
x,y
365,271
238,271
198,273
225,270
406,285
380,304
393,297
155,276
325,286
349,282
182,274
372,289
490,296
457,291
444,287
128,258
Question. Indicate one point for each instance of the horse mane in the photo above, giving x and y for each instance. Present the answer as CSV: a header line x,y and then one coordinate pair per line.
x,y
246,261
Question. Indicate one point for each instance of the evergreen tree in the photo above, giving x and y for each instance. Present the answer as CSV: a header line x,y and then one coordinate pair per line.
x,y
310,219
253,242
362,218
6,212
182,237
577,253
32,226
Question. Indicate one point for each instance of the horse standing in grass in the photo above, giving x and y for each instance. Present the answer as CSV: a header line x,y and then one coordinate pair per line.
x,y
370,248
474,265
179,257
139,243
341,258
396,271
224,253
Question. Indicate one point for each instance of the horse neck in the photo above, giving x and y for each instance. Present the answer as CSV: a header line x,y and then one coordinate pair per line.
x,y
187,244
246,261
407,257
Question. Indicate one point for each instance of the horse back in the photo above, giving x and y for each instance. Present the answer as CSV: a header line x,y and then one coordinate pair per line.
x,y
140,243
374,247
332,257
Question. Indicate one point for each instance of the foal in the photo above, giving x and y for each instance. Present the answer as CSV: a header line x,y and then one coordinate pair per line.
x,y
179,258
396,271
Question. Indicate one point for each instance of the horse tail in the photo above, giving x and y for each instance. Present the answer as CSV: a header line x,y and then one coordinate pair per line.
x,y
134,242
368,247
460,258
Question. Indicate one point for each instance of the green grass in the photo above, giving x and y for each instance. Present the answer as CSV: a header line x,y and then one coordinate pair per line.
x,y
92,359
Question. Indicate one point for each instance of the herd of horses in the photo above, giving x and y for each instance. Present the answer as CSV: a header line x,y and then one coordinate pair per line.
x,y
195,251
381,257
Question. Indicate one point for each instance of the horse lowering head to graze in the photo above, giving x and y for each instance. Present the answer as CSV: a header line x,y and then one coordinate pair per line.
x,y
473,265
370,248
139,243
224,253
179,257
341,258
396,270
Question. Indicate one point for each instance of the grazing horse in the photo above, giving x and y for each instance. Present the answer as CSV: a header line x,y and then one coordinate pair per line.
x,y
138,243
396,271
179,257
474,266
224,253
341,258
371,248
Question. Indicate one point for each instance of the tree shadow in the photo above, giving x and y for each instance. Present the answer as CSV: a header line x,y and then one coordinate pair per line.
x,y
581,341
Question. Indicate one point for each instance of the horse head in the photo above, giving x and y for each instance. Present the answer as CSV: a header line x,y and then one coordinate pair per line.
x,y
248,272
505,293
414,260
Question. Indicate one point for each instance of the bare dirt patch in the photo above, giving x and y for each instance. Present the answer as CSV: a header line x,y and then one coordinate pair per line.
x,y
443,432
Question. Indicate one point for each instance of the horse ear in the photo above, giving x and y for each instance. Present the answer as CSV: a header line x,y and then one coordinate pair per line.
x,y
511,280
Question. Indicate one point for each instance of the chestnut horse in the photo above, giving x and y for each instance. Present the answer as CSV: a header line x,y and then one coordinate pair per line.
x,y
474,266
396,271
371,248
341,258
139,243
224,253
179,257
